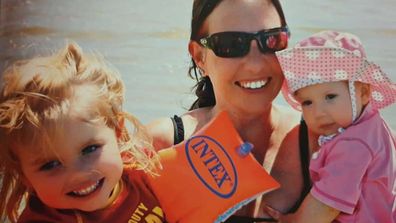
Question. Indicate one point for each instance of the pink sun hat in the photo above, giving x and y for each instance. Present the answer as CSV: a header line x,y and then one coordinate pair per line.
x,y
330,56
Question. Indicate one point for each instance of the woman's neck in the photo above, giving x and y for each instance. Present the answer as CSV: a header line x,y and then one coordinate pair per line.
x,y
244,120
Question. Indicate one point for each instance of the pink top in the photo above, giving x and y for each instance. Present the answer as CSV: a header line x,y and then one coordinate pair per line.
x,y
355,172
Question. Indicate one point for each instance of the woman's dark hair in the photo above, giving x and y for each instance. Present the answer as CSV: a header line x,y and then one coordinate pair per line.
x,y
204,88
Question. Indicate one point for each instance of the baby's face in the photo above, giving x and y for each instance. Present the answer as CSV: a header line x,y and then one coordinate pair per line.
x,y
327,107
81,168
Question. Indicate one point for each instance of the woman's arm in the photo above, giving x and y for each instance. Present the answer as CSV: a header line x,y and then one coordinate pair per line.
x,y
161,131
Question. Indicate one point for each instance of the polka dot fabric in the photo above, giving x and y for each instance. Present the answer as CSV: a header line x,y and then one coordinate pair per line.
x,y
332,56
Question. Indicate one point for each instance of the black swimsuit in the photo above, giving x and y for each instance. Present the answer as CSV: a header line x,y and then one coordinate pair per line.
x,y
304,158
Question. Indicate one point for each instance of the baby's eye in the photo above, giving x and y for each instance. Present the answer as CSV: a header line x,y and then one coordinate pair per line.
x,y
90,149
330,96
50,165
306,103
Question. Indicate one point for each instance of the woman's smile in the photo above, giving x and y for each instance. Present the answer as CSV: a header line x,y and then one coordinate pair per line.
x,y
253,85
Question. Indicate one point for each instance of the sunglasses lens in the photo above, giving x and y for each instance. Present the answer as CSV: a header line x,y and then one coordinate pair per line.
x,y
270,43
230,44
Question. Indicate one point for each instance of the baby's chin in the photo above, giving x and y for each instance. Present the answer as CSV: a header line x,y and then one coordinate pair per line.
x,y
333,132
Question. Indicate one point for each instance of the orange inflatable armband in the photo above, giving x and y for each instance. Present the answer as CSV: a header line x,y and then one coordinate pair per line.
x,y
209,176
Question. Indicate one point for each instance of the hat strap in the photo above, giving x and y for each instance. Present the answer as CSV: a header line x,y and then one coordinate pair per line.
x,y
352,93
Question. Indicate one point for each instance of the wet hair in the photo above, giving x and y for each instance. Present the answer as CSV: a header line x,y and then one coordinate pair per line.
x,y
37,94
204,88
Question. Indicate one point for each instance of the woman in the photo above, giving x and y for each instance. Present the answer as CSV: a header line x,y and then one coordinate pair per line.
x,y
240,74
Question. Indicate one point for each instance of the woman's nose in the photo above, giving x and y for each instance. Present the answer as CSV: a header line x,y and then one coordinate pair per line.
x,y
255,60
254,48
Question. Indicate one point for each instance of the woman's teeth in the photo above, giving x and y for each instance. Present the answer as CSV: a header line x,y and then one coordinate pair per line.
x,y
253,84
87,190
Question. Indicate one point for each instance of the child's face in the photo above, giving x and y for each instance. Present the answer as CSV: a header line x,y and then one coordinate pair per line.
x,y
83,172
327,107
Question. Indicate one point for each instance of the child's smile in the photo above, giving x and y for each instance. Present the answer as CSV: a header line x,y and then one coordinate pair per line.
x,y
87,190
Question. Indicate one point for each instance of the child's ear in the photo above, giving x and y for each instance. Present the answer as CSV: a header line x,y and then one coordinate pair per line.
x,y
120,126
365,91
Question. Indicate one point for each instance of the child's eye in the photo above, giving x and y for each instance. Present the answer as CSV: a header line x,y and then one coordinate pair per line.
x,y
50,165
306,103
90,149
330,96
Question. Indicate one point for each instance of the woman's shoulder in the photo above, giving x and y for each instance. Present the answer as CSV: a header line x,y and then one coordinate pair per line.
x,y
286,110
287,118
162,129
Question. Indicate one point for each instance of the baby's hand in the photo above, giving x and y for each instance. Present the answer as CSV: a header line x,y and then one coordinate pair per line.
x,y
275,214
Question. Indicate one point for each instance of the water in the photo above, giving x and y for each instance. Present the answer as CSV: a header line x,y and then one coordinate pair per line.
x,y
147,40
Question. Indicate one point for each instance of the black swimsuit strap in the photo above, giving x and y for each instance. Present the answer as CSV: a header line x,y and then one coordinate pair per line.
x,y
178,132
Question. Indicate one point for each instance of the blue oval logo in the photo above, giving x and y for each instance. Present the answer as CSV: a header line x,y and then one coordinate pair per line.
x,y
212,165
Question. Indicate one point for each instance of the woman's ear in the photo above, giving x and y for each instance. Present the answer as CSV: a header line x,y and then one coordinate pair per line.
x,y
197,53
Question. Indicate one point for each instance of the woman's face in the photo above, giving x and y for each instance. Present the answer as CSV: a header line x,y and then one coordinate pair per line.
x,y
250,83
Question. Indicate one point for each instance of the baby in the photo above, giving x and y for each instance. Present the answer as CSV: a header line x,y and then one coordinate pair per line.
x,y
339,91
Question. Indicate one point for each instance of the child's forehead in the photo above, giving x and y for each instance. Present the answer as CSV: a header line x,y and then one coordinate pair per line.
x,y
34,150
85,102
70,130
333,85
85,94
83,106
327,86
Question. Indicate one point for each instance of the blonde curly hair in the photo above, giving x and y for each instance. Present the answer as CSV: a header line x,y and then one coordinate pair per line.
x,y
36,93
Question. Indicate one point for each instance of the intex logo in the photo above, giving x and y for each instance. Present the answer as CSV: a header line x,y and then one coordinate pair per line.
x,y
212,164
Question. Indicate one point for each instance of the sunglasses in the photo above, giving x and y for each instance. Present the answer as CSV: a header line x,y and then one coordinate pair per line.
x,y
237,44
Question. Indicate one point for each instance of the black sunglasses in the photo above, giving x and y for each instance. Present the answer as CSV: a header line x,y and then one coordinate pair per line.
x,y
237,44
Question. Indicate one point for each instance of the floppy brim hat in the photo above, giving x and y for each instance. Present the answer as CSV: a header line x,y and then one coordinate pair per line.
x,y
331,56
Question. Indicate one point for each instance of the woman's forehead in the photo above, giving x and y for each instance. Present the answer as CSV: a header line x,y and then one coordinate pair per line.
x,y
242,15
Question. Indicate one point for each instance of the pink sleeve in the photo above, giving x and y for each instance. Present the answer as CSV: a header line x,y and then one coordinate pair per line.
x,y
341,173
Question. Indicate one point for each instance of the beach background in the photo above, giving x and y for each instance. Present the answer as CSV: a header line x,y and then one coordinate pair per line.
x,y
147,40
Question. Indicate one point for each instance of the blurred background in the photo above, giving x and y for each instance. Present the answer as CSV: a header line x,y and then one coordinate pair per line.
x,y
147,40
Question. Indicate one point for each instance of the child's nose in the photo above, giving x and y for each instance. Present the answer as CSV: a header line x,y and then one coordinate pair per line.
x,y
319,110
81,177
